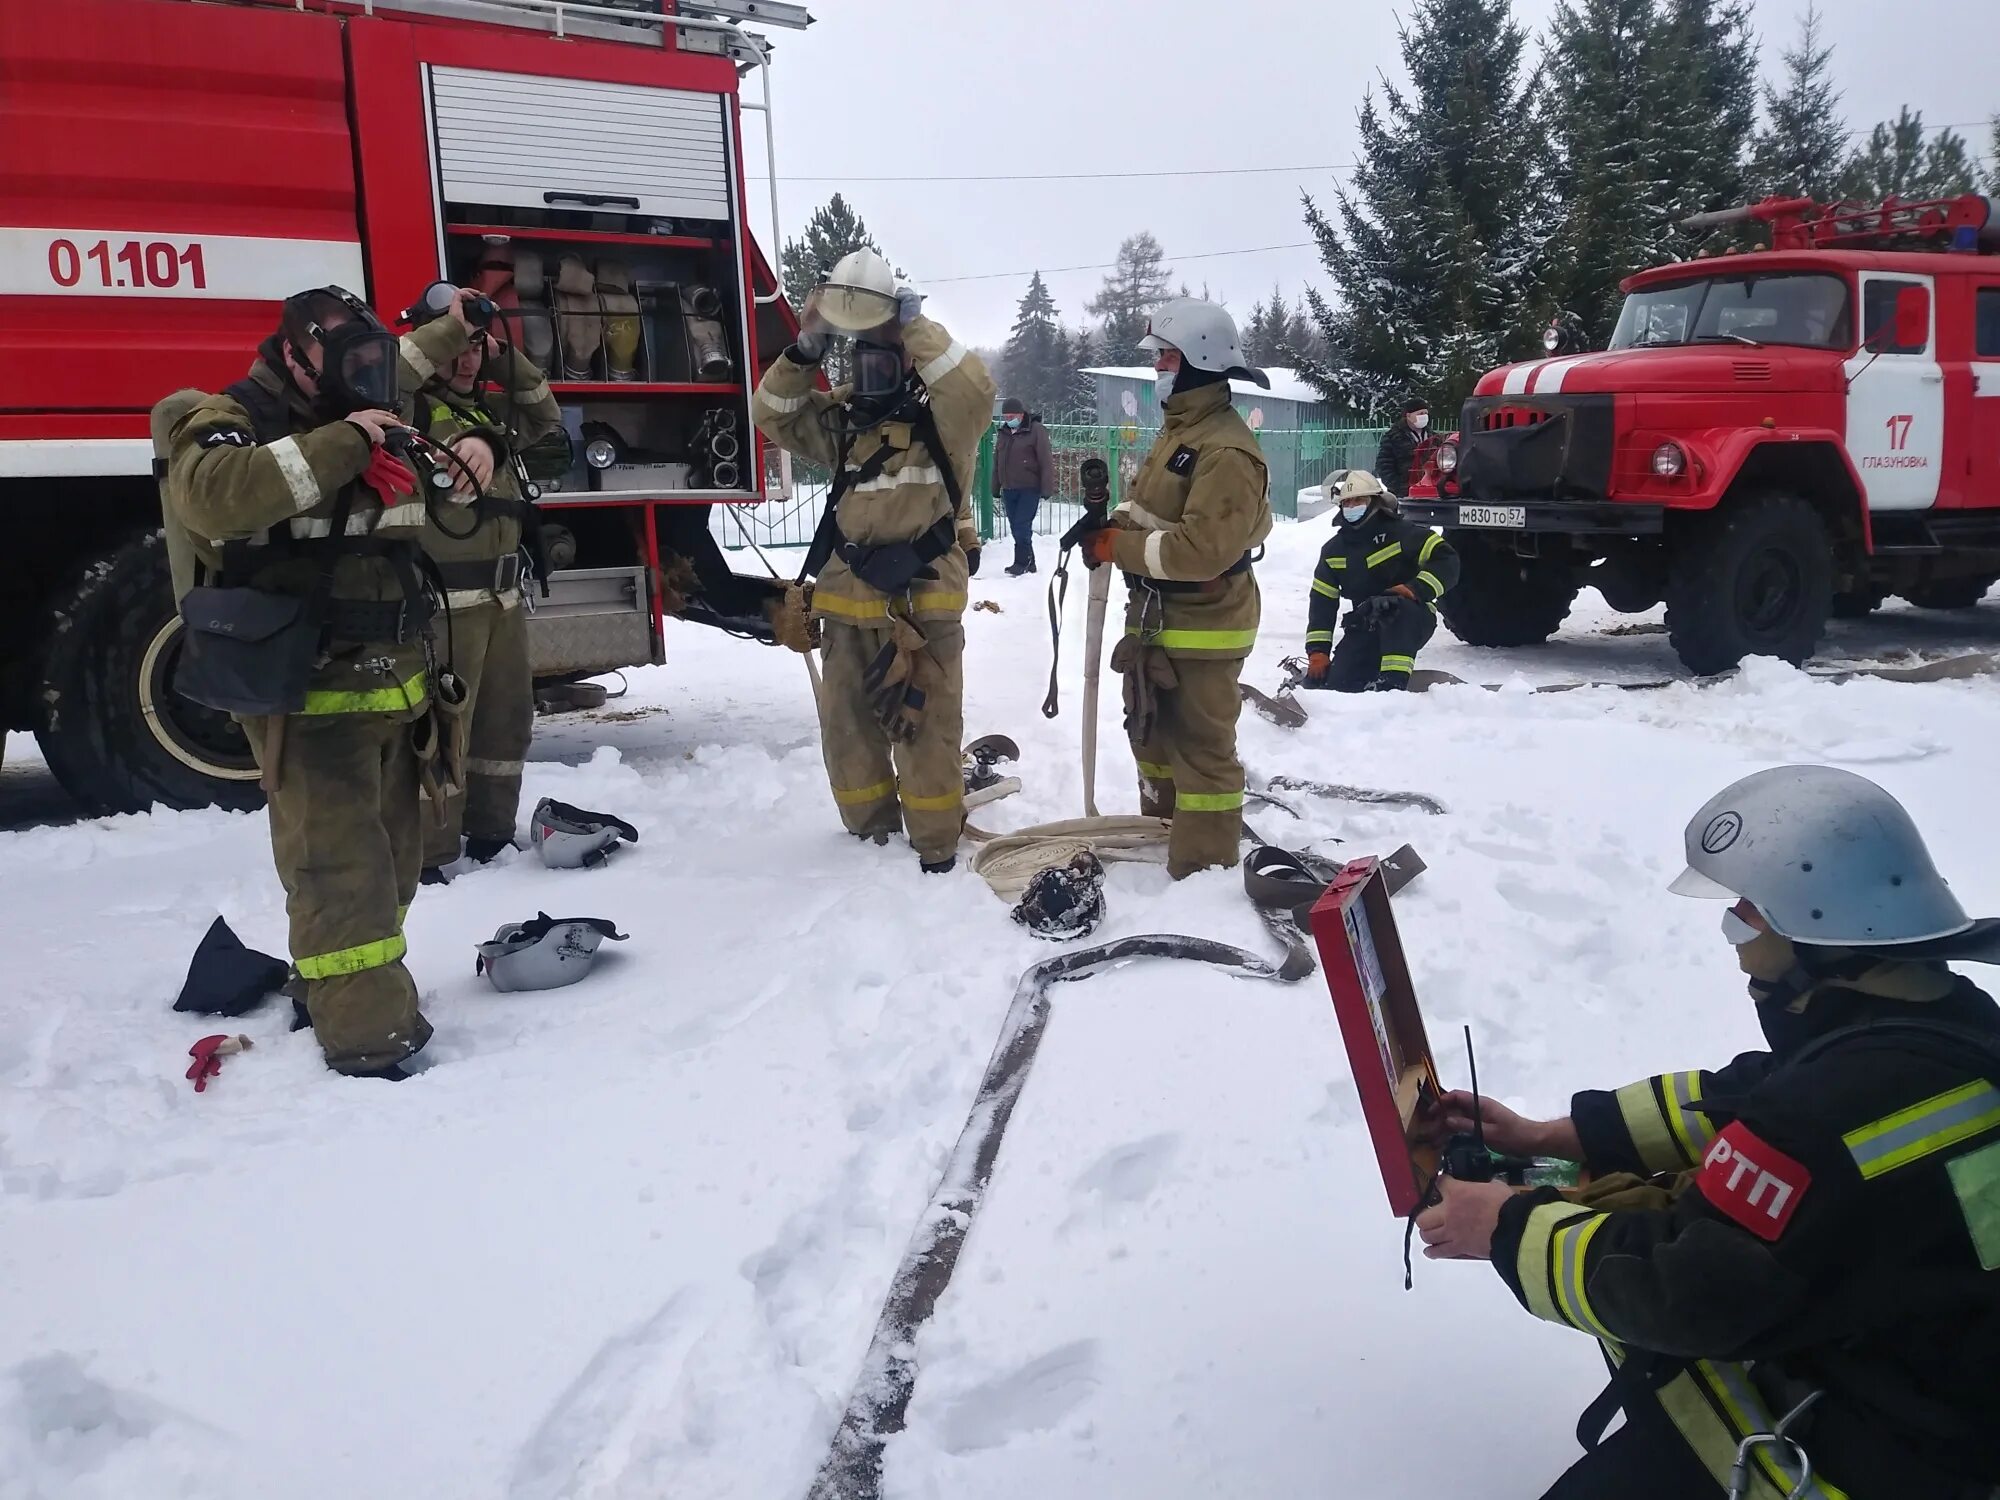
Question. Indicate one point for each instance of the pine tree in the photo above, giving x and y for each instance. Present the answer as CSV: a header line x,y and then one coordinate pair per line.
x,y
1802,149
1898,162
1993,160
1434,249
1650,113
1035,366
834,230
1137,284
1080,393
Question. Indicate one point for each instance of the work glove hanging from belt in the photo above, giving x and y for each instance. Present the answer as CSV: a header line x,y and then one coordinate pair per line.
x,y
1148,672
899,681
792,622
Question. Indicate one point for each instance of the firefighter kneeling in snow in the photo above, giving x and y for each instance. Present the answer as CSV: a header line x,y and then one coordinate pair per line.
x,y
895,546
1815,1261
1393,572
1184,538
294,537
484,401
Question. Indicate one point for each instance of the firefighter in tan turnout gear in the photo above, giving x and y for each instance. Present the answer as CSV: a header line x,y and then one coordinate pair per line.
x,y
484,403
1184,538
894,549
294,534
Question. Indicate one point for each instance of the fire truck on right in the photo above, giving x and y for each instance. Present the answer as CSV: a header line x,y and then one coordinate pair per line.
x,y
1771,438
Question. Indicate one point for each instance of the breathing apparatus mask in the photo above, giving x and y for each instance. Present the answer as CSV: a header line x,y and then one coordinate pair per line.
x,y
357,369
879,386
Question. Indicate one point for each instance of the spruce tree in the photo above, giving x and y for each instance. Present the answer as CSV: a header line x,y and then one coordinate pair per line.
x,y
1802,149
834,230
1035,364
1993,160
1898,162
1434,249
1136,285
1080,392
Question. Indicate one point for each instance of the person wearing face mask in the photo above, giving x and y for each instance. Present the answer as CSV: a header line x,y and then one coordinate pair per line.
x,y
484,403
294,533
1183,538
1398,451
1024,474
1392,572
1809,1236
894,548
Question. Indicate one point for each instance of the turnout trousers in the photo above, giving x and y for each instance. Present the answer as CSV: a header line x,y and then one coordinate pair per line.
x,y
880,788
347,843
1380,649
489,651
1188,768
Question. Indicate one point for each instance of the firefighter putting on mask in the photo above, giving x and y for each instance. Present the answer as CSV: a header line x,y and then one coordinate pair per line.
x,y
1184,539
483,401
1392,572
293,532
894,550
1789,1259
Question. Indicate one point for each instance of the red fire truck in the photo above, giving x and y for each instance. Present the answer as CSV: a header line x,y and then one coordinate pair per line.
x,y
1770,438
170,170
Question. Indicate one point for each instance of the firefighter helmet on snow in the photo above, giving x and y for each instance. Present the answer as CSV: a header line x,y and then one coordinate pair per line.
x,y
1206,336
544,954
1827,856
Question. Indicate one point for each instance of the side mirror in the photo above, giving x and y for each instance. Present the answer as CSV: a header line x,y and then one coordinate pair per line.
x,y
1913,318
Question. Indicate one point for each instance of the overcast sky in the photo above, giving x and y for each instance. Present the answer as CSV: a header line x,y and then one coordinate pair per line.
x,y
882,91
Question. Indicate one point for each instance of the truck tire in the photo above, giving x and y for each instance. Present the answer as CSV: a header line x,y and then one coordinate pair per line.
x,y
1950,593
114,732
1752,579
1504,600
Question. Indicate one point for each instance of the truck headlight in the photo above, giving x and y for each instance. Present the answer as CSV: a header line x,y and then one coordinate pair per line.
x,y
1552,338
1669,461
1447,458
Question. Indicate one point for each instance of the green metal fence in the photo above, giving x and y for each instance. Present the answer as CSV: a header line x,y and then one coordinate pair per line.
x,y
1295,458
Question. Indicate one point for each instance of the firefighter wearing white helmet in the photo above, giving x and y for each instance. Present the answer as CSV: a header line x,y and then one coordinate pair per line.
x,y
1392,572
1803,1242
1184,538
895,547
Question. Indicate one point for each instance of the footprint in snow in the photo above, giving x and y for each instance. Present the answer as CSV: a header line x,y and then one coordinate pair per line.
x,y
1033,1398
1130,1173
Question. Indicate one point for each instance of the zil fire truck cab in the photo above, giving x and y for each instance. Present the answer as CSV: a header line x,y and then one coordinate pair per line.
x,y
171,170
1769,439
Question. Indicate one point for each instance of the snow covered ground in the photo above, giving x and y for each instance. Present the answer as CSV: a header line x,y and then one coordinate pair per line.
x,y
630,1239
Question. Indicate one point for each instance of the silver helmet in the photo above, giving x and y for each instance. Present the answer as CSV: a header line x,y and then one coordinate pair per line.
x,y
571,838
1827,856
544,954
1206,336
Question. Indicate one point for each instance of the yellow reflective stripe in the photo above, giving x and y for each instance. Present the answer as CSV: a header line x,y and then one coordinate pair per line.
x,y
1334,562
1209,801
1570,1245
1430,545
937,600
356,960
1667,1132
1320,586
1199,640
1398,663
945,803
1925,1129
1690,1129
850,609
1319,637
1437,587
1534,1263
408,694
852,796
1155,773
1382,555
1746,1413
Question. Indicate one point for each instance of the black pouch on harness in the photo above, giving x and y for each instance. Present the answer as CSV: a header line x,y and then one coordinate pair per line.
x,y
247,651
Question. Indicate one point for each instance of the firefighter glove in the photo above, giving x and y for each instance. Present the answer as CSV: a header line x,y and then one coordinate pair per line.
x,y
1316,664
971,562
388,476
1404,590
808,349
1097,545
909,304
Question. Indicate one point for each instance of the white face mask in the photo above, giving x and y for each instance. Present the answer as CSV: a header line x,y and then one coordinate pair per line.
x,y
1163,384
1738,931
1353,512
1419,420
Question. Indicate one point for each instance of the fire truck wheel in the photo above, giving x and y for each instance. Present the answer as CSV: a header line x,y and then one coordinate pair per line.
x,y
1950,593
1754,578
1502,599
115,733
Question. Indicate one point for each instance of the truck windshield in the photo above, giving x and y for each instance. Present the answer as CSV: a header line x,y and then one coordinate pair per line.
x,y
1803,308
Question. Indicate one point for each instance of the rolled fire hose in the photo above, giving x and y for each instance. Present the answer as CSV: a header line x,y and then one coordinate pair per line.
x,y
538,327
579,317
621,320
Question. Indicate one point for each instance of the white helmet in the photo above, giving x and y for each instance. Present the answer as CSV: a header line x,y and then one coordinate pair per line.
x,y
571,838
859,293
544,954
1828,857
1205,334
